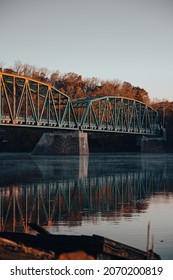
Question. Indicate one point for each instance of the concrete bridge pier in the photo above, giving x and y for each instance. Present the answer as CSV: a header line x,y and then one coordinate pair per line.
x,y
62,143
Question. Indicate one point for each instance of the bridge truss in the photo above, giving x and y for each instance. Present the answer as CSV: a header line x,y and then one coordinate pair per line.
x,y
24,101
116,114
28,102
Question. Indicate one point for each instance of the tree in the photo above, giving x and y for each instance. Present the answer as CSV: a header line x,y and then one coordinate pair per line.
x,y
1,65
55,77
18,67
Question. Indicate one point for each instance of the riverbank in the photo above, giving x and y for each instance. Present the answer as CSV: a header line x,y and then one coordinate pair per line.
x,y
10,250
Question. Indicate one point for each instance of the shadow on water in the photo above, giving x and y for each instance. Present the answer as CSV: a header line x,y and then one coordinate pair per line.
x,y
83,194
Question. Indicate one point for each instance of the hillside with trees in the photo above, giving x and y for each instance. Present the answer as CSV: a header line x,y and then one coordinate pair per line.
x,y
76,86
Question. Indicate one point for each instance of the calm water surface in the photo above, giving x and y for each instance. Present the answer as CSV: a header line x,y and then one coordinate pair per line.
x,y
111,195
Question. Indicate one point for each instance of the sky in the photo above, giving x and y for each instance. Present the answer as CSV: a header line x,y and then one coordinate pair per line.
x,y
125,40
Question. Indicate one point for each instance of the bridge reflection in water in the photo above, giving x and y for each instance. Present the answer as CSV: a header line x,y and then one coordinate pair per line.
x,y
72,189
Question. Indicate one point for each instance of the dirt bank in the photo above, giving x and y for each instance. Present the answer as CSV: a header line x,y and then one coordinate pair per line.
x,y
10,250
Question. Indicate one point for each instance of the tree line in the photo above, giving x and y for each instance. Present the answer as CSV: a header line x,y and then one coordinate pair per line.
x,y
76,86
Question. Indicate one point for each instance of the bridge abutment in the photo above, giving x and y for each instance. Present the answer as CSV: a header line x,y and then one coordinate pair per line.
x,y
153,145
62,143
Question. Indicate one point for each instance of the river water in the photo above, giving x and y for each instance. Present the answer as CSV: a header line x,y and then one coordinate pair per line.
x,y
113,195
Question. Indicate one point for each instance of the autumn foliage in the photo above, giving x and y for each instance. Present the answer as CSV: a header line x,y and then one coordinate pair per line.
x,y
76,86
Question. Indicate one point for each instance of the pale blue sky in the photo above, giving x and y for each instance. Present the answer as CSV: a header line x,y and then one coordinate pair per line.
x,y
128,40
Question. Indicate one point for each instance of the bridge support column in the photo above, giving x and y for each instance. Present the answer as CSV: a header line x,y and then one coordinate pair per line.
x,y
62,143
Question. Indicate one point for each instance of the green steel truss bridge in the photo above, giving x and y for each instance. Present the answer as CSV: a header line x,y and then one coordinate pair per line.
x,y
25,102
